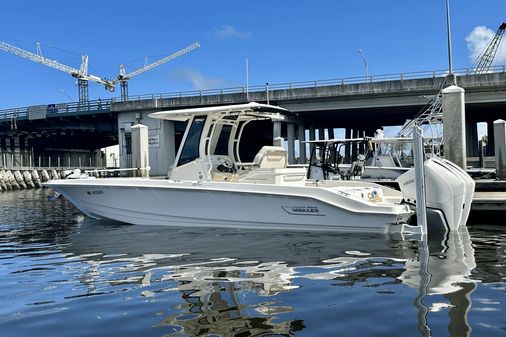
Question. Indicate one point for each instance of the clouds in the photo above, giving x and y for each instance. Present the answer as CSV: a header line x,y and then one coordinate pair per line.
x,y
228,32
197,79
478,40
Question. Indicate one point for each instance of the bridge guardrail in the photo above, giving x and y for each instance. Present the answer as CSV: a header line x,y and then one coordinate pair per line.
x,y
104,104
58,108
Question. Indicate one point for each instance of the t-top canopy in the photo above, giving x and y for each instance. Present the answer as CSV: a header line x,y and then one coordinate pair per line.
x,y
262,110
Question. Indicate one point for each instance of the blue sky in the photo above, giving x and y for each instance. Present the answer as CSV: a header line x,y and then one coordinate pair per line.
x,y
284,41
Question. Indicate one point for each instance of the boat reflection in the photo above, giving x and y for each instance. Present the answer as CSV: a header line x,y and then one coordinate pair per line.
x,y
227,280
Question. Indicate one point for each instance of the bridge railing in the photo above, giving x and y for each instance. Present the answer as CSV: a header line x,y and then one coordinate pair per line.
x,y
104,104
43,111
313,83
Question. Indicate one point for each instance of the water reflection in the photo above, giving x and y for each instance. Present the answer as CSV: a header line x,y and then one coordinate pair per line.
x,y
233,290
203,282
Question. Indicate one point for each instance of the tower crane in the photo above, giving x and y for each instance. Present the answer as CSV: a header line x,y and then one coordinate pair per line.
x,y
484,61
81,74
123,77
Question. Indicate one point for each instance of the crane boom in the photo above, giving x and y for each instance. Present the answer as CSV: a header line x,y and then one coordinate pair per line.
x,y
484,61
123,77
38,58
81,74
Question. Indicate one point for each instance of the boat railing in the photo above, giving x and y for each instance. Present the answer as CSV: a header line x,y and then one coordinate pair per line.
x,y
102,172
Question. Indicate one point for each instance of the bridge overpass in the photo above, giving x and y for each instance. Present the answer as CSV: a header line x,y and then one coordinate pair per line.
x,y
356,104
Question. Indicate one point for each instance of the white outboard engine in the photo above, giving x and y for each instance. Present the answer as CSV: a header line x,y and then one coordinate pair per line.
x,y
449,193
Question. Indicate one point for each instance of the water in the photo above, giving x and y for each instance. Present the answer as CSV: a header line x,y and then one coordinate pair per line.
x,y
62,274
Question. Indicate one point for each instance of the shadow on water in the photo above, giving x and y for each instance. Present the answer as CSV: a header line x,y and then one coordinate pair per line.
x,y
61,271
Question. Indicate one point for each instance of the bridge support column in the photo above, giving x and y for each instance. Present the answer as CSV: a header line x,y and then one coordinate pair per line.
x,y
302,145
312,136
472,139
500,148
276,130
330,132
491,144
321,136
321,133
454,125
354,148
290,134
348,133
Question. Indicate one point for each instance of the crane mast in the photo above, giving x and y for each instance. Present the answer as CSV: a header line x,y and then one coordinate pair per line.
x,y
123,77
484,61
81,74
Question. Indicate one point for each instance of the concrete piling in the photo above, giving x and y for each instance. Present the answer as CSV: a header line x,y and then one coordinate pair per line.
x,y
500,148
454,123
140,149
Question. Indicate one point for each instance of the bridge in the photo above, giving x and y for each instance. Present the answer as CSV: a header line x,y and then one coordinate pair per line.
x,y
356,104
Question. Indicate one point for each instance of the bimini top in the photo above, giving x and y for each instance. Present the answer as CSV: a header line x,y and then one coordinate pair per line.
x,y
262,110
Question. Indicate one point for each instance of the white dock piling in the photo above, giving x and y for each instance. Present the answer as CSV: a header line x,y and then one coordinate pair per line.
x,y
140,149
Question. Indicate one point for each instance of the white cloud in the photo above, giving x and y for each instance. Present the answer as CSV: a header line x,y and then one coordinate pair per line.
x,y
479,39
197,79
228,31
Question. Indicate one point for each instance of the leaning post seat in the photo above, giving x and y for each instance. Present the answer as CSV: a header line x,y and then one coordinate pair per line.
x,y
272,157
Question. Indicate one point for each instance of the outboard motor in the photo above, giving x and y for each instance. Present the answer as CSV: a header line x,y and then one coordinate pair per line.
x,y
449,193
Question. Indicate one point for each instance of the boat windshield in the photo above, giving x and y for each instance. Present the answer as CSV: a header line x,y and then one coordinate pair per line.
x,y
190,149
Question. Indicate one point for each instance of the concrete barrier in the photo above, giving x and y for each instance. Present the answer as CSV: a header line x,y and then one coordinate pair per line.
x,y
13,181
36,179
44,175
3,181
19,179
27,178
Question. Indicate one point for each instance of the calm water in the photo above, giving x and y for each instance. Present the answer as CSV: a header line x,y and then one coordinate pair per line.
x,y
62,274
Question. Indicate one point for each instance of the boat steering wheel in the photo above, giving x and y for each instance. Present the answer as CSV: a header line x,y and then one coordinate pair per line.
x,y
226,166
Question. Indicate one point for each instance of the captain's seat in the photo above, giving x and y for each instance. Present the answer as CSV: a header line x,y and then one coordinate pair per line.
x,y
271,157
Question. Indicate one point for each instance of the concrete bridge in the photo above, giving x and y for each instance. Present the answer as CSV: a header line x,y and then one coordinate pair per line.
x,y
357,105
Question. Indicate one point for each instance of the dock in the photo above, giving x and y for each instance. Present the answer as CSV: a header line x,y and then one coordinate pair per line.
x,y
489,195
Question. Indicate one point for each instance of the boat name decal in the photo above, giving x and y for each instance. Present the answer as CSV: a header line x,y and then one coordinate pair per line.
x,y
94,192
302,210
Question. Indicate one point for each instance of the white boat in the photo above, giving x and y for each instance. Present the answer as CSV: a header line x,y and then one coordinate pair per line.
x,y
214,183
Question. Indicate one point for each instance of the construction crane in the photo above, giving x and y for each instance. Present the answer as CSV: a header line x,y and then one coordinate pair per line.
x,y
123,77
81,74
484,61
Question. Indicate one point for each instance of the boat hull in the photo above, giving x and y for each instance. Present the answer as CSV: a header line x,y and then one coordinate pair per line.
x,y
172,203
